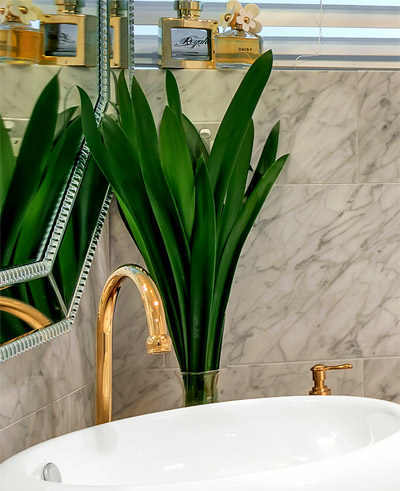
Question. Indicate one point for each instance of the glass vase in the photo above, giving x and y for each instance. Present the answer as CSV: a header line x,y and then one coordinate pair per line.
x,y
199,387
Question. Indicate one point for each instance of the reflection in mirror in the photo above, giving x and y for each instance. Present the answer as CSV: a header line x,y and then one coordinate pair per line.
x,y
53,199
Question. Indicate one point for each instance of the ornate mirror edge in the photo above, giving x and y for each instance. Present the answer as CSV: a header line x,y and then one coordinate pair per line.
x,y
39,269
42,268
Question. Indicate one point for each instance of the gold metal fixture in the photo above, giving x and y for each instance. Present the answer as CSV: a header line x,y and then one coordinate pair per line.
x,y
25,312
158,341
319,377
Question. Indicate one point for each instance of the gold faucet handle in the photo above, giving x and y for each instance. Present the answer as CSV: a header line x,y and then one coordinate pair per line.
x,y
319,377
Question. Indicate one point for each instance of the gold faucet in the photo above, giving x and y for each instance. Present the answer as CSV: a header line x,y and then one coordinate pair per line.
x,y
26,313
319,377
158,341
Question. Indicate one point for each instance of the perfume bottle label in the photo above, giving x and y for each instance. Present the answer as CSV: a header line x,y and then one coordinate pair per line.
x,y
60,39
190,44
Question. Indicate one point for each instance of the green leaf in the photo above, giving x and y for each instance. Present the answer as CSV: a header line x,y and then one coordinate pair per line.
x,y
234,124
202,269
177,167
237,184
125,107
124,174
7,162
160,196
267,158
231,253
173,97
31,162
195,143
63,120
59,166
92,134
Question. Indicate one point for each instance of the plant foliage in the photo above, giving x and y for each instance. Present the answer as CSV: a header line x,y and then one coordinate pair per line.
x,y
188,211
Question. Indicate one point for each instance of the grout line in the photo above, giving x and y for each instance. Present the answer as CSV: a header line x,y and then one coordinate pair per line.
x,y
46,406
358,173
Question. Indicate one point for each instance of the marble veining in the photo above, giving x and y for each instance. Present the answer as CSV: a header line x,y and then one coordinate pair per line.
x,y
321,267
379,126
22,85
382,378
318,279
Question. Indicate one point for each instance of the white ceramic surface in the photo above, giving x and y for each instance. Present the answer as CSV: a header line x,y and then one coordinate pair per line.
x,y
306,443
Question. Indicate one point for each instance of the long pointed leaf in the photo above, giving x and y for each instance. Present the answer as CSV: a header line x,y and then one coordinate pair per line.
x,y
267,157
234,124
235,193
231,254
202,269
173,97
59,166
31,160
177,167
125,107
7,162
195,143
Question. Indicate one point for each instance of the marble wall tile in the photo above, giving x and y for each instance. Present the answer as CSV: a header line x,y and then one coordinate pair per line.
x,y
286,379
317,111
382,378
42,375
379,126
145,391
82,408
21,85
49,422
318,277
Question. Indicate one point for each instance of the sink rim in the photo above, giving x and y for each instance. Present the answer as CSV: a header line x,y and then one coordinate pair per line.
x,y
15,461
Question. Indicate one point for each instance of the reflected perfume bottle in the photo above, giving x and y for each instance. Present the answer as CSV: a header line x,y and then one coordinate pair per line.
x,y
21,36
70,36
239,46
187,41
118,35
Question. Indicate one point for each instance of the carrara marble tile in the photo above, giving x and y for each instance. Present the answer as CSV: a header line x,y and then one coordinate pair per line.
x,y
286,379
51,421
382,378
379,126
145,391
318,277
21,85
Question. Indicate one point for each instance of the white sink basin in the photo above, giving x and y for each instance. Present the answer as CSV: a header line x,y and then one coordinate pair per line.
x,y
307,443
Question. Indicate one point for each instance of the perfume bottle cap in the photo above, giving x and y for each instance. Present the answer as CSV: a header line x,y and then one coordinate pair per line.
x,y
70,6
188,5
117,8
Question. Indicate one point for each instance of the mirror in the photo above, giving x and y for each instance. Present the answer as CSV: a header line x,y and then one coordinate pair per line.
x,y
51,220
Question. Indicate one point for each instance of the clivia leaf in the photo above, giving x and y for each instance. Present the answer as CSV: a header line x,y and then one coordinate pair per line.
x,y
177,167
267,158
234,124
7,162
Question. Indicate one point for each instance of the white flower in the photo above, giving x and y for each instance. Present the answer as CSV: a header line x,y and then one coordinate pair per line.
x,y
246,18
4,10
229,16
25,10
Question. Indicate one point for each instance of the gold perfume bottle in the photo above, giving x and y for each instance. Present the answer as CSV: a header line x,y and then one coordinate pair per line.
x,y
118,35
240,46
70,36
21,37
187,41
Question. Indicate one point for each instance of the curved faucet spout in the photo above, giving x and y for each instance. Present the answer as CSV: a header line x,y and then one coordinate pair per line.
x,y
158,341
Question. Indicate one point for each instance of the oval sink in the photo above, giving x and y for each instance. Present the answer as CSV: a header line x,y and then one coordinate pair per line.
x,y
282,443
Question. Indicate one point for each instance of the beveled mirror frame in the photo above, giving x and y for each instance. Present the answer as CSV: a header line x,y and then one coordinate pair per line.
x,y
43,268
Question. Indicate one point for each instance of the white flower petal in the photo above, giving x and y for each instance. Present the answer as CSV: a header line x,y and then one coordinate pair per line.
x,y
245,27
233,6
251,10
